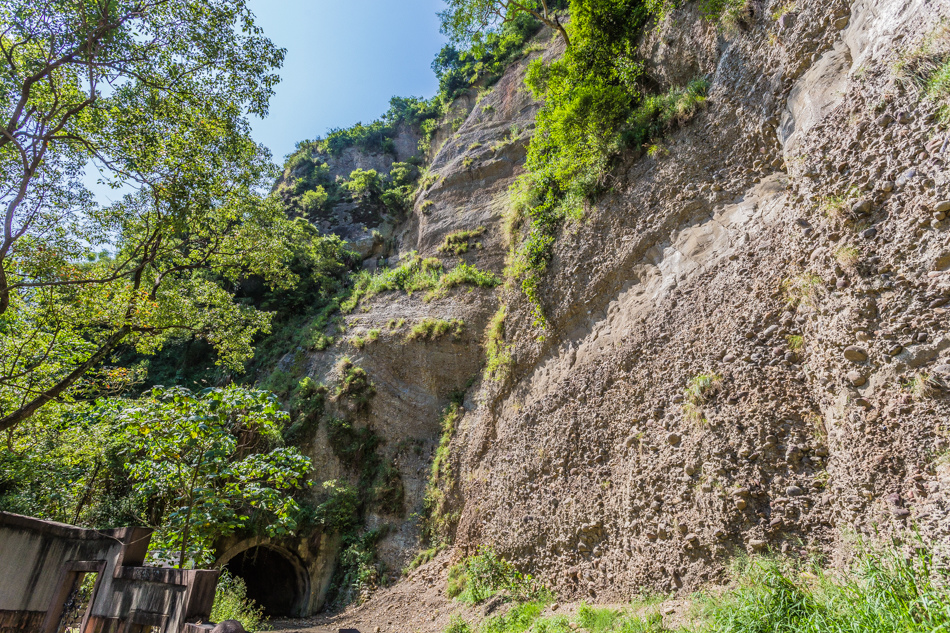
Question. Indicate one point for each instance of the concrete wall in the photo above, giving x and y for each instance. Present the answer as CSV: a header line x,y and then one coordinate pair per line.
x,y
42,562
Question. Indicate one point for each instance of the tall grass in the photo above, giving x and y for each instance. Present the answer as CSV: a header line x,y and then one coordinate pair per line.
x,y
231,603
415,275
883,592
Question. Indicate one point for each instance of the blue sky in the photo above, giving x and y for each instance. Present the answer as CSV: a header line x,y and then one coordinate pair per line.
x,y
345,59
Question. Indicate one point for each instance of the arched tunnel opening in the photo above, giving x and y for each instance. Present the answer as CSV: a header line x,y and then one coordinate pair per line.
x,y
272,579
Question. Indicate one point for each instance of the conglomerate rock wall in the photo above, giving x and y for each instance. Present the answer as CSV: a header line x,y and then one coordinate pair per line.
x,y
747,345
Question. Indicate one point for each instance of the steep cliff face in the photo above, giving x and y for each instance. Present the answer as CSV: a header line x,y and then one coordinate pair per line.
x,y
474,157
748,340
747,343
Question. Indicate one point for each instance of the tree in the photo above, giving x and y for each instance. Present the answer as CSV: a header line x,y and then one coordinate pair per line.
x,y
363,183
214,461
470,20
154,95
313,200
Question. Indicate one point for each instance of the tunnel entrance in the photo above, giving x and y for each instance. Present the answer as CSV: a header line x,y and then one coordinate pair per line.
x,y
272,579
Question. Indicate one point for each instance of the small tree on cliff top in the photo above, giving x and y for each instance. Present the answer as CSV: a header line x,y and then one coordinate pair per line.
x,y
470,20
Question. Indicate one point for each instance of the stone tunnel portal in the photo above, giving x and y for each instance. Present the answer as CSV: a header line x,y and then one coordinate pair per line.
x,y
274,579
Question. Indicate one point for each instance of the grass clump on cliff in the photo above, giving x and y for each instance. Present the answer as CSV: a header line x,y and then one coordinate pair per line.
x,y
699,391
434,329
497,354
925,68
355,387
457,243
414,275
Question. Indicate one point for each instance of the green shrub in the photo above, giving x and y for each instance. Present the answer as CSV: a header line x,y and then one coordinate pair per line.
x,y
280,382
459,70
378,136
353,446
359,569
486,574
313,200
231,603
363,182
338,511
389,492
593,110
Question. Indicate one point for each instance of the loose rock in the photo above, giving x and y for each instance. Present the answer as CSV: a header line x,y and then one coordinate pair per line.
x,y
855,354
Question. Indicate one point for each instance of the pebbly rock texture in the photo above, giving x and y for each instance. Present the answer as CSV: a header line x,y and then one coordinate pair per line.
x,y
791,244
791,248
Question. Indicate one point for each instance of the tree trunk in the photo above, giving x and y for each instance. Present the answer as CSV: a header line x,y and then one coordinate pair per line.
x,y
87,492
184,537
187,532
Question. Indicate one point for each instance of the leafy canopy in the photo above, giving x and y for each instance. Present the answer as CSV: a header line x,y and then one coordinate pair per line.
x,y
214,462
154,96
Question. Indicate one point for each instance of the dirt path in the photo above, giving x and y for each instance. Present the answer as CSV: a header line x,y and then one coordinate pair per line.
x,y
418,604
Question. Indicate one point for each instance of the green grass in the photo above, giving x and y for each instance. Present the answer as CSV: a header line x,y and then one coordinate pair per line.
x,y
497,355
457,243
416,275
518,619
457,624
883,592
434,329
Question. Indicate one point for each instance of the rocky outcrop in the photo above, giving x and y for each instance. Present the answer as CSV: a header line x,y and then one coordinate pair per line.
x,y
747,344
791,222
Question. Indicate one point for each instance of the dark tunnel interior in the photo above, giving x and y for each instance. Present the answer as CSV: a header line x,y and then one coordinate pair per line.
x,y
272,580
